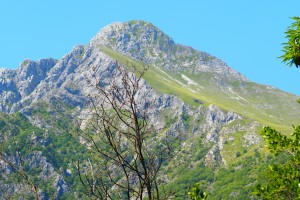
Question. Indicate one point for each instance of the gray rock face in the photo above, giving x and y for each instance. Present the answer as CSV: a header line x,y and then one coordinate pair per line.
x,y
215,116
30,74
16,85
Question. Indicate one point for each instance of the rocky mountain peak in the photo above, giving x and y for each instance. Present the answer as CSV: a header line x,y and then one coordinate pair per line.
x,y
132,35
134,38
141,40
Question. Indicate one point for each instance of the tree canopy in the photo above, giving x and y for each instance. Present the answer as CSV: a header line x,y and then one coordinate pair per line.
x,y
291,48
282,180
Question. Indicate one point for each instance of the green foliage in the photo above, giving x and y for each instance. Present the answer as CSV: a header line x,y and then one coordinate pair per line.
x,y
291,48
236,181
281,180
196,193
184,177
60,151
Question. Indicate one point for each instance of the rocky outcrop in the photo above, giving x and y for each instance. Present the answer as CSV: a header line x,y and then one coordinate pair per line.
x,y
15,85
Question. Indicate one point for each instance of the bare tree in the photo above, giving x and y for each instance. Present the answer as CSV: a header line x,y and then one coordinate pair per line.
x,y
128,150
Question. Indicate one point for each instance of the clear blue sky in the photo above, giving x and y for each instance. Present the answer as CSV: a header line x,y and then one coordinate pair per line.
x,y
247,35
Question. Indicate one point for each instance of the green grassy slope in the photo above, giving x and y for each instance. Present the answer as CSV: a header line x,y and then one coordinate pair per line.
x,y
264,104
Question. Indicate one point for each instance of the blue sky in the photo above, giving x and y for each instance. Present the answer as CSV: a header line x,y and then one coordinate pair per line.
x,y
247,35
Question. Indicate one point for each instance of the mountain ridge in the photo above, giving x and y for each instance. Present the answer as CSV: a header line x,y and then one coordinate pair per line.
x,y
142,41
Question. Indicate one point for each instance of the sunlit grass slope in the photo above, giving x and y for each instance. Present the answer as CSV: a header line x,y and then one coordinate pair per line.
x,y
264,104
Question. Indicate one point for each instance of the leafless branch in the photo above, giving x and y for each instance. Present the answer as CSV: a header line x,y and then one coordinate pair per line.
x,y
119,133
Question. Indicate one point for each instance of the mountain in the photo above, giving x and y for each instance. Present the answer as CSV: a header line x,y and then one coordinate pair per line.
x,y
219,109
179,67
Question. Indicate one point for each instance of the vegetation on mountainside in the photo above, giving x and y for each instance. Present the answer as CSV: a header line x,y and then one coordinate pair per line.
x,y
281,180
22,143
14,149
63,151
195,193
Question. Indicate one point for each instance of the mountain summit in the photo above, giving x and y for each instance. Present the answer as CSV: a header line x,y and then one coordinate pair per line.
x,y
135,37
143,41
